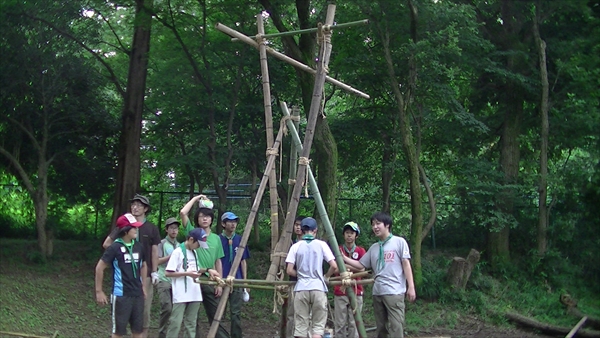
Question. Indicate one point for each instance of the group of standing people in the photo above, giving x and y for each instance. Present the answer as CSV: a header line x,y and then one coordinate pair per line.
x,y
389,259
141,261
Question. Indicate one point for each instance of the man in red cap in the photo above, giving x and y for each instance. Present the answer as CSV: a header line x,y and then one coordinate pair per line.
x,y
127,258
149,237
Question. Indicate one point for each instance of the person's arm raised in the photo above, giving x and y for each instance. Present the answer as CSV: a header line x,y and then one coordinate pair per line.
x,y
185,211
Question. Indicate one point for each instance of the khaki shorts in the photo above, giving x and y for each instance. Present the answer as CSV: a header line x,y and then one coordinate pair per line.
x,y
306,302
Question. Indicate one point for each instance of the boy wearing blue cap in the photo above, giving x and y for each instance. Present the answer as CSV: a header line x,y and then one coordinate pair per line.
x,y
231,243
305,261
183,268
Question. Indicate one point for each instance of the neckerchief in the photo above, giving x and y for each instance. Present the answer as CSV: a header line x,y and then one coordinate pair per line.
x,y
230,242
129,248
308,238
351,251
185,262
381,260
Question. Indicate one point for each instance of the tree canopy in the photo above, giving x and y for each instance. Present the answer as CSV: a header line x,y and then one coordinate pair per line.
x,y
449,140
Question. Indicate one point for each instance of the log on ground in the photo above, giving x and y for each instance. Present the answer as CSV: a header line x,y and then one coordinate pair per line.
x,y
548,328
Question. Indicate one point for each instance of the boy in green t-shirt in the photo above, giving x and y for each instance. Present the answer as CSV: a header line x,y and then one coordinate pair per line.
x,y
209,258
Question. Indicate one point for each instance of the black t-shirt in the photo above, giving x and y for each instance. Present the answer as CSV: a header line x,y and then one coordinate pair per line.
x,y
127,265
148,236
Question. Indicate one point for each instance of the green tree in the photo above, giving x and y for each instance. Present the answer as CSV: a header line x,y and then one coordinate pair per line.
x,y
52,100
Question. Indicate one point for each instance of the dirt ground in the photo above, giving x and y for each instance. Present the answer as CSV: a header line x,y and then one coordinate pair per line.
x,y
468,328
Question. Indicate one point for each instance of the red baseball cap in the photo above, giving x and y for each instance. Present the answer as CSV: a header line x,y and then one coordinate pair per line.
x,y
127,220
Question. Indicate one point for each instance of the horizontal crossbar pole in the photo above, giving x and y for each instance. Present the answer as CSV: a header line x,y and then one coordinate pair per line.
x,y
308,30
285,58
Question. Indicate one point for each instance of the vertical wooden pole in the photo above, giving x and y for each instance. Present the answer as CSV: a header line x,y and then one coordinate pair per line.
x,y
328,227
324,53
264,70
242,247
293,154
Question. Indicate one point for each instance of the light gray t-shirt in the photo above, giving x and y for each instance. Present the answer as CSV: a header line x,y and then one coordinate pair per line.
x,y
308,258
390,280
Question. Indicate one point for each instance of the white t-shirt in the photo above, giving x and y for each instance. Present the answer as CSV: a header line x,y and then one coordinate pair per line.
x,y
391,279
184,292
308,258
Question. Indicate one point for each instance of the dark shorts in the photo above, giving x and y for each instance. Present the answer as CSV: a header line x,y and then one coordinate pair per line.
x,y
125,310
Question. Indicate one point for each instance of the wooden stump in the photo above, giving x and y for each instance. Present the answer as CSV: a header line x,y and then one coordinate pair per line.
x,y
461,268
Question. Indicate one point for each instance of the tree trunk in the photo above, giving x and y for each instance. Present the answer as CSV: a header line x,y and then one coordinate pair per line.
x,y
544,129
387,172
410,153
254,188
327,157
512,103
128,171
40,202
498,236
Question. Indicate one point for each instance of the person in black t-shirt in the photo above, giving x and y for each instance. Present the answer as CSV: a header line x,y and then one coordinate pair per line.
x,y
127,258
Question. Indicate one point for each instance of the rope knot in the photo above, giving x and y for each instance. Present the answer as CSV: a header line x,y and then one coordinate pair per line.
x,y
272,151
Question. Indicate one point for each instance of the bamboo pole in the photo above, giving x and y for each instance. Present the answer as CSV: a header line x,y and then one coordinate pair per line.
x,y
264,70
329,230
308,30
576,328
285,58
323,60
240,252
293,154
354,275
243,283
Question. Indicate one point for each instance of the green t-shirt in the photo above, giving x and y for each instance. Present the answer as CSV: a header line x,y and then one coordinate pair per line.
x,y
209,256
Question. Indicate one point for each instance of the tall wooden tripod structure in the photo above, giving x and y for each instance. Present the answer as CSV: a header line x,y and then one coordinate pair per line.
x,y
281,243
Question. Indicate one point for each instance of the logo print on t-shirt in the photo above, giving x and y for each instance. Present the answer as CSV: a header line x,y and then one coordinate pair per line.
x,y
389,256
355,255
127,257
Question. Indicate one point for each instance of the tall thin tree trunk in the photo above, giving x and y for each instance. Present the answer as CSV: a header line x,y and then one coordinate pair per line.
x,y
128,171
387,172
544,129
409,149
327,156
498,238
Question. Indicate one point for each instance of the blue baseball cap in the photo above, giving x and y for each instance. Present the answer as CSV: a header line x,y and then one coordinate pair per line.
x,y
229,216
309,223
200,235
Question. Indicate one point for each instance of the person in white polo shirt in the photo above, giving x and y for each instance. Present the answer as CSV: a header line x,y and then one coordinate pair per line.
x,y
305,261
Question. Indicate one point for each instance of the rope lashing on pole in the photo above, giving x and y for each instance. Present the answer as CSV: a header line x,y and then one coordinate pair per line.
x,y
278,255
346,278
229,282
305,161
